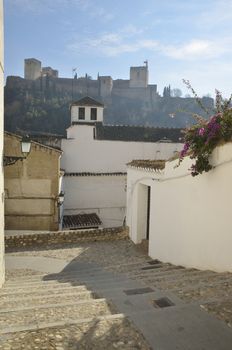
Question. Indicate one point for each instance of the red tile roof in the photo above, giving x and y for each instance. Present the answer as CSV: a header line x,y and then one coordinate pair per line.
x,y
95,174
147,164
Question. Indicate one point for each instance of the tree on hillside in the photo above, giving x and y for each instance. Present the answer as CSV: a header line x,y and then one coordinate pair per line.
x,y
176,92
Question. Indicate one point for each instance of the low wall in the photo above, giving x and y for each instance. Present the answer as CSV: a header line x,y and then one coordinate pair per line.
x,y
60,239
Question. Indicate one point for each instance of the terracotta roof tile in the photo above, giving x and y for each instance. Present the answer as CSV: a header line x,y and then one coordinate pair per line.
x,y
95,174
148,164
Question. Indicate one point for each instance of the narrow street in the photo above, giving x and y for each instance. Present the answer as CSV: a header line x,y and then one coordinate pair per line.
x,y
111,295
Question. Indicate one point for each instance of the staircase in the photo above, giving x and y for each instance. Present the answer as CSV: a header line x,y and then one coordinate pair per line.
x,y
58,312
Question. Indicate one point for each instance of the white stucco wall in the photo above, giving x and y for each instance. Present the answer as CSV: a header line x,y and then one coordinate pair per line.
x,y
137,182
191,217
2,268
81,152
103,195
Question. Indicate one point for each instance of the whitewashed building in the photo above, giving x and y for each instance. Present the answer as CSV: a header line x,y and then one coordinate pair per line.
x,y
95,156
186,220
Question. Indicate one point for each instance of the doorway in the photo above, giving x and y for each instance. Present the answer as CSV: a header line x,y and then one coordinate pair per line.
x,y
143,213
148,211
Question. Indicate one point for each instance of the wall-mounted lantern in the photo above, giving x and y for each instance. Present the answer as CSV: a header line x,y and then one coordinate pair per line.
x,y
60,198
25,145
25,149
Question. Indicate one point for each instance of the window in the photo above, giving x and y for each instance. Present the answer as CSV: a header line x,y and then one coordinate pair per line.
x,y
81,114
93,115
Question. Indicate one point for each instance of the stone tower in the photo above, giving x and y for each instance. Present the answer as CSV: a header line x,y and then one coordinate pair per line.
x,y
106,85
32,69
139,76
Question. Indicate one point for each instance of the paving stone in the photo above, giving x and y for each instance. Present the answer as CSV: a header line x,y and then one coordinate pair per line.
x,y
97,335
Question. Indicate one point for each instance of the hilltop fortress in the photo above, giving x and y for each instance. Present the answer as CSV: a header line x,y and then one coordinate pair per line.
x,y
40,101
36,76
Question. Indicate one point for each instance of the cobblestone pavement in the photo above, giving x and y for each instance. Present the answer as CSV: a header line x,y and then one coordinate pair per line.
x,y
99,335
211,290
36,313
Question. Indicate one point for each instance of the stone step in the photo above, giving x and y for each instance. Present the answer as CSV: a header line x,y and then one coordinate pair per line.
x,y
54,313
63,284
9,302
51,305
28,283
44,291
170,274
129,265
35,328
49,276
181,279
187,284
41,285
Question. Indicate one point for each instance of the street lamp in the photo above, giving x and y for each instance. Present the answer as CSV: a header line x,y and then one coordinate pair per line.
x,y
25,149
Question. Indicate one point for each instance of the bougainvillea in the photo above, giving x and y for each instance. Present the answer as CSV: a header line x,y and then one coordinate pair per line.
x,y
201,139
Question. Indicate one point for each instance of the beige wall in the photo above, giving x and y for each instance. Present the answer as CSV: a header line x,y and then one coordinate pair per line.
x,y
1,151
31,188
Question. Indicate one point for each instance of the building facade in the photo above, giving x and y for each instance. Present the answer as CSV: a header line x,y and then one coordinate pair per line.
x,y
2,267
95,156
32,187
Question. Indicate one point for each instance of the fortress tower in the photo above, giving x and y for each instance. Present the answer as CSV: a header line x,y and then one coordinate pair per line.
x,y
139,76
32,69
106,85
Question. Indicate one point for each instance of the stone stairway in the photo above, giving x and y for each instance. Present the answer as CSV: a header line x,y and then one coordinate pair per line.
x,y
211,291
39,311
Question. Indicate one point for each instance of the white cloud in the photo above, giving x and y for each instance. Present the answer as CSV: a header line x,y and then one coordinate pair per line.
x,y
128,39
114,44
191,50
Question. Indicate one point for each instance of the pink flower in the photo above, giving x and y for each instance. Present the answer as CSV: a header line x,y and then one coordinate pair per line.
x,y
201,131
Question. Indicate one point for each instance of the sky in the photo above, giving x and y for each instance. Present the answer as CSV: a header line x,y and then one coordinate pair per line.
x,y
180,39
